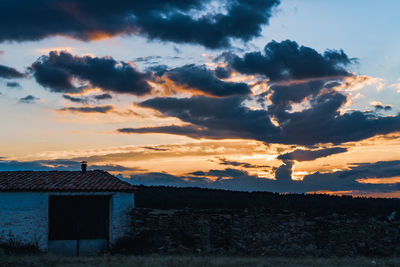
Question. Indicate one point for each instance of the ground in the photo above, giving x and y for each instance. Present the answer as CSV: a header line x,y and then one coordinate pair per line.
x,y
193,261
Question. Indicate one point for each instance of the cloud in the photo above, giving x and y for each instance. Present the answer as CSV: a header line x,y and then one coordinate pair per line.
x,y
88,109
13,85
379,106
158,70
347,180
246,165
380,169
307,155
102,97
82,100
58,70
356,178
283,174
10,73
228,117
204,80
147,59
58,164
209,117
287,60
284,95
28,99
223,73
323,123
209,23
205,149
233,179
285,171
160,178
229,178
187,130
86,100
155,148
301,104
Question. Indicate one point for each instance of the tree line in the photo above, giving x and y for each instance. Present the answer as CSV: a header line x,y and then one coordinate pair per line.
x,y
168,197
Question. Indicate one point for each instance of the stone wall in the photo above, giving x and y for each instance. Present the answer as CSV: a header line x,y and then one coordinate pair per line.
x,y
262,232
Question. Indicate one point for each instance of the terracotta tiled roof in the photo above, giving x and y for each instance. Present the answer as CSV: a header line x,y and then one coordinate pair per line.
x,y
75,181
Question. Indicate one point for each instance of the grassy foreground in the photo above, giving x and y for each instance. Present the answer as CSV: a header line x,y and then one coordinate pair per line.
x,y
195,261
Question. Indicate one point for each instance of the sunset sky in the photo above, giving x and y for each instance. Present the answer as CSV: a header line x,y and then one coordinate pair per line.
x,y
255,95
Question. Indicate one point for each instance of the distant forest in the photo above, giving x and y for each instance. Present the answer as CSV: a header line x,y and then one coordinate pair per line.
x,y
165,197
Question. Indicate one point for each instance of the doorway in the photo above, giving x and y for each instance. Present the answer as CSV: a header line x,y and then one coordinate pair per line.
x,y
78,224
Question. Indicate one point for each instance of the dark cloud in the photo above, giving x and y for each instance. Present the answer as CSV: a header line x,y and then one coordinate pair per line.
x,y
28,99
155,148
224,161
13,85
86,100
10,73
146,59
323,123
223,73
379,107
242,21
283,174
380,169
82,100
233,179
284,95
346,180
228,117
310,80
95,109
287,60
210,117
202,79
229,178
188,21
187,130
160,178
307,155
220,174
58,164
158,70
102,97
58,70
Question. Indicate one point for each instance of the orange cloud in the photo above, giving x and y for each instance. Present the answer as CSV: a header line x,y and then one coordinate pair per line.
x,y
100,35
386,180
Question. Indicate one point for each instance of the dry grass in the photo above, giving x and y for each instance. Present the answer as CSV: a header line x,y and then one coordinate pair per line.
x,y
183,261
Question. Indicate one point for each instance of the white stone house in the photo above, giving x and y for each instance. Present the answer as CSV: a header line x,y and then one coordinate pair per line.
x,y
68,212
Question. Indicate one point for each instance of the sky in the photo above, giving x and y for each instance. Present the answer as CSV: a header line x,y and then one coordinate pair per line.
x,y
254,95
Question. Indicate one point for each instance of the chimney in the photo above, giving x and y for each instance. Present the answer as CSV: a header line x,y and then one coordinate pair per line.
x,y
83,166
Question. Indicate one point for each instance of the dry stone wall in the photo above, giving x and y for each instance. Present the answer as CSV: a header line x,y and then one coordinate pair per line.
x,y
261,232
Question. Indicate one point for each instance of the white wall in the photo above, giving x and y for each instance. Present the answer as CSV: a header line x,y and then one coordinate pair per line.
x,y
24,216
120,221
